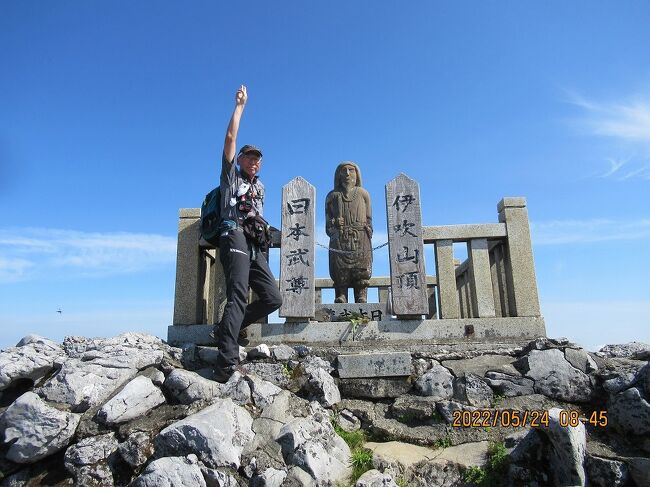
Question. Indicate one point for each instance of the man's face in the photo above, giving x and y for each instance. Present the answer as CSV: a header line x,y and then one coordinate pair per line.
x,y
250,163
348,175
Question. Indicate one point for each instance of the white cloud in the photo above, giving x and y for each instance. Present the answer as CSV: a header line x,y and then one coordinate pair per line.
x,y
12,270
628,120
586,231
615,165
627,123
32,252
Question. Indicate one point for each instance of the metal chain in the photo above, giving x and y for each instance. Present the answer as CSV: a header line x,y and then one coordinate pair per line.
x,y
339,251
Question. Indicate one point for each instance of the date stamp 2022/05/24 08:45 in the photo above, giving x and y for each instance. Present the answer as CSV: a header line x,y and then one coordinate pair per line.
x,y
534,418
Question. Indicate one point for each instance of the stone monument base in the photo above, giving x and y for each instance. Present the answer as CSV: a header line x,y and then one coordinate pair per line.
x,y
463,331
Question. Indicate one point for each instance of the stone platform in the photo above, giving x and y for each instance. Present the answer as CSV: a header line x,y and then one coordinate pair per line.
x,y
511,330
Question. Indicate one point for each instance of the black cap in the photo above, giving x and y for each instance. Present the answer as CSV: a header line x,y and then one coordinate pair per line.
x,y
250,148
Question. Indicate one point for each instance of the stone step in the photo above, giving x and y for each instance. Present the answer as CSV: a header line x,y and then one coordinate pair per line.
x,y
382,364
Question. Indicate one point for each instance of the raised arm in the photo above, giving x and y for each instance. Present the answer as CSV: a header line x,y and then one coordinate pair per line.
x,y
230,143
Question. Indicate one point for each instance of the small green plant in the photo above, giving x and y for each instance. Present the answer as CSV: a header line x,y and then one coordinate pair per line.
x,y
474,475
497,456
361,462
361,458
355,320
401,482
493,473
286,371
354,439
496,400
444,442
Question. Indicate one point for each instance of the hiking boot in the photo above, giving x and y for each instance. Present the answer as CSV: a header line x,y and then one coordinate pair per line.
x,y
223,375
242,339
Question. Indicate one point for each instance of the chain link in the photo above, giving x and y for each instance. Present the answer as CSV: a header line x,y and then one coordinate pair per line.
x,y
339,251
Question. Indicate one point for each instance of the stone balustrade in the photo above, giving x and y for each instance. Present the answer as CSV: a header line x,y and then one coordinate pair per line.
x,y
492,293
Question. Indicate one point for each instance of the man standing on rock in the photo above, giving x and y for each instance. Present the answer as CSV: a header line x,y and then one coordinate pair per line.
x,y
244,264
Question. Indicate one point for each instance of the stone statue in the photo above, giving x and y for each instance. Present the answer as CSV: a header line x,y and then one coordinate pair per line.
x,y
348,216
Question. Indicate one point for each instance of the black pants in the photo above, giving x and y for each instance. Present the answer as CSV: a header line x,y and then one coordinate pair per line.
x,y
244,265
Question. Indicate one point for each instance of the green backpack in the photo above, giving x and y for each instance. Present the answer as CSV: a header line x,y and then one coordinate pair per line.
x,y
211,216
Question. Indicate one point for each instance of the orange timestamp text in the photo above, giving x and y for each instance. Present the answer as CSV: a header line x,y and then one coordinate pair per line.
x,y
514,418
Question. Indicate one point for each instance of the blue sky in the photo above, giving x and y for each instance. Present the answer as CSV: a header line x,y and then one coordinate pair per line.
x,y
112,117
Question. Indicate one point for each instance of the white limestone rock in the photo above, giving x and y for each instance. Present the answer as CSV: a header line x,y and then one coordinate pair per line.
x,y
480,365
263,392
315,362
606,472
321,385
156,376
283,353
569,446
315,379
633,350
262,351
348,421
238,389
171,472
88,460
138,350
581,360
644,379
437,382
298,477
285,408
555,377
83,385
630,411
217,434
312,444
33,358
302,350
35,430
136,449
101,367
374,478
136,399
474,391
509,385
274,373
217,478
271,477
447,409
188,387
621,374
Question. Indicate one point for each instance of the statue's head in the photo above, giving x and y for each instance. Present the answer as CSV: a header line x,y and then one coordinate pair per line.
x,y
347,174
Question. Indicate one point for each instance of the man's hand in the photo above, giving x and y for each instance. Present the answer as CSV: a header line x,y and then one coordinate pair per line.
x,y
241,97
230,144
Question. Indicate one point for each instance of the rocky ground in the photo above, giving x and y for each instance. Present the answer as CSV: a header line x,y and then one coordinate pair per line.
x,y
132,410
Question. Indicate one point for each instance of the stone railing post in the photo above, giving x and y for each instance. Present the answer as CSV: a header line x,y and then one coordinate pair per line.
x,y
520,266
480,278
448,304
187,305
